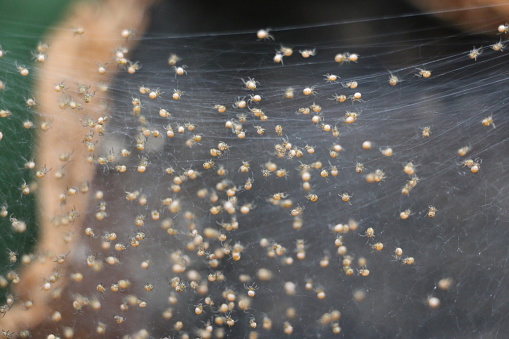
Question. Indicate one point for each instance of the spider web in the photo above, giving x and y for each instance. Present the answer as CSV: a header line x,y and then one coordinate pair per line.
x,y
464,242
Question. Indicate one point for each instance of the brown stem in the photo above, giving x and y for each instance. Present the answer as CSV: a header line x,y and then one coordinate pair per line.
x,y
73,59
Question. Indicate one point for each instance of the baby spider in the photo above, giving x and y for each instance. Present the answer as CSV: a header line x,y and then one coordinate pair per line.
x,y
229,320
260,130
363,272
22,70
432,210
309,90
370,233
289,93
354,57
315,107
278,58
144,89
87,97
297,211
250,83
180,70
463,151
42,172
387,151
503,28
3,211
398,252
127,33
25,189
499,46
39,57
133,67
408,261
350,117
345,197
251,290
240,103
244,168
423,73
30,102
340,58
173,59
339,98
220,108
405,214
287,51
13,256
393,80
356,96
468,163
330,78
350,84
488,121
307,53
279,130
475,167
474,53
359,168
101,68
312,197
198,309
409,169
78,31
279,196
176,94
304,110
310,149
255,98
59,259
426,132
154,94
263,34
4,333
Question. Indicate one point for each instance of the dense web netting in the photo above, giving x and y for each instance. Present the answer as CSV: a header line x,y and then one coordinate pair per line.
x,y
298,181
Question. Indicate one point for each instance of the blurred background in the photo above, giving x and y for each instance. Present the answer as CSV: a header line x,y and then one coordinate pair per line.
x,y
460,255
24,24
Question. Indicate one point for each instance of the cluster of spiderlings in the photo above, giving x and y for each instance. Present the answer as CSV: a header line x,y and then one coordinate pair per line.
x,y
225,208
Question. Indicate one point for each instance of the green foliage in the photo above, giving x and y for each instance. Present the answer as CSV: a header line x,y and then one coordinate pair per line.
x,y
24,24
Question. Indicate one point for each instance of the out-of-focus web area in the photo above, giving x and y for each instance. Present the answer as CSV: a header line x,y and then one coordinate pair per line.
x,y
246,189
